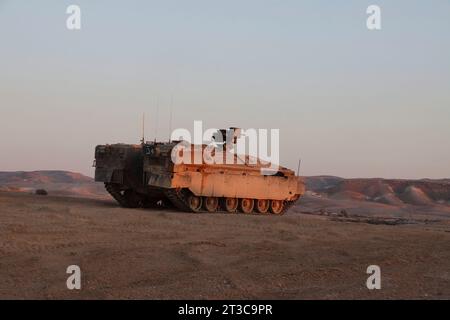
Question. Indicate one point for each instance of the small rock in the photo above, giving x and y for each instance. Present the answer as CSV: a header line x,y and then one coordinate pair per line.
x,y
344,213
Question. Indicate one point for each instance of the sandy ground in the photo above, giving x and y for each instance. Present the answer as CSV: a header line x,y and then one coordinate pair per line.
x,y
137,253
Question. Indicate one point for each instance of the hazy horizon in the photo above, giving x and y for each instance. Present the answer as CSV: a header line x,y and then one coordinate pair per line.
x,y
301,175
348,101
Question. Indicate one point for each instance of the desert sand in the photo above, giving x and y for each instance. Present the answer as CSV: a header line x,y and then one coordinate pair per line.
x,y
164,254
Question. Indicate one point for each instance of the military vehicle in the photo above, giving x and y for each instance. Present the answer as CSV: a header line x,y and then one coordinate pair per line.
x,y
154,173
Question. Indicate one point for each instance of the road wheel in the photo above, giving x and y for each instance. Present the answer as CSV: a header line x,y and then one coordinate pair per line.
x,y
230,204
262,205
195,203
276,206
211,204
246,205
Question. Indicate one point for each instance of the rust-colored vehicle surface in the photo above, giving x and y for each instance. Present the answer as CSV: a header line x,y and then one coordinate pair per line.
x,y
152,173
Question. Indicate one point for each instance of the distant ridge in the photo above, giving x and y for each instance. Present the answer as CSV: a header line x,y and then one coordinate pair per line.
x,y
388,191
56,182
395,192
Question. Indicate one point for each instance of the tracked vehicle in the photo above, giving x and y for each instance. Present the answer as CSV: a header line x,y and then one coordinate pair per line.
x,y
153,173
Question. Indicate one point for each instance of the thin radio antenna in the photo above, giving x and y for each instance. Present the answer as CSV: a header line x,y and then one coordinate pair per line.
x,y
143,128
170,117
156,118
298,168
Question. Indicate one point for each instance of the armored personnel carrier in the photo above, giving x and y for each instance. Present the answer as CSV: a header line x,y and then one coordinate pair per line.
x,y
156,172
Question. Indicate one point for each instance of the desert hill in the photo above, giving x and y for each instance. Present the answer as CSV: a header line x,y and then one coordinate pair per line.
x,y
411,200
388,191
56,182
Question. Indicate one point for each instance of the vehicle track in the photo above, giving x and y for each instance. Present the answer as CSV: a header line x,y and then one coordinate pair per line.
x,y
179,198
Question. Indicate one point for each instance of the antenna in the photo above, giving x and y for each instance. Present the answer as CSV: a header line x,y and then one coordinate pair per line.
x,y
143,128
298,169
170,117
156,118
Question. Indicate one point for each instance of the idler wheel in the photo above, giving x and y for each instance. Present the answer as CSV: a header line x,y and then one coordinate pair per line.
x,y
211,204
262,205
195,203
230,204
246,205
276,206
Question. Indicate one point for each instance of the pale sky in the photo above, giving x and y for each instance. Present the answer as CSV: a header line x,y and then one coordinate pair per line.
x,y
348,101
